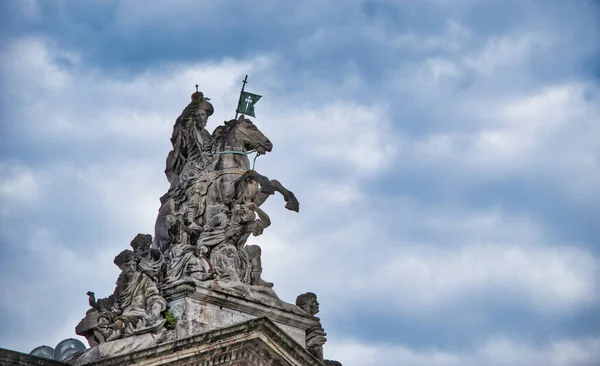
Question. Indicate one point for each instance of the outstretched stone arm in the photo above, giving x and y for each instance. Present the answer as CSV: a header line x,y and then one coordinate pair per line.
x,y
258,226
262,215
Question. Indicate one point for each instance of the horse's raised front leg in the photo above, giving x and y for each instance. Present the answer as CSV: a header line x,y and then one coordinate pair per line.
x,y
265,185
267,188
289,197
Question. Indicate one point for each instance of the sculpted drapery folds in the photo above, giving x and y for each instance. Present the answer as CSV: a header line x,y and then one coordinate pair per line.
x,y
138,303
149,260
205,219
135,306
191,155
190,139
226,233
215,196
185,260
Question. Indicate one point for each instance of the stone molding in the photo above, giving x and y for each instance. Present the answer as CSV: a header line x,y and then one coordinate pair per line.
x,y
256,342
296,319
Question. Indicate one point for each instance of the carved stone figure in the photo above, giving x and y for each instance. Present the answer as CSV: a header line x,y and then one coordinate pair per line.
x,y
183,259
189,261
200,251
215,229
218,176
149,259
190,139
244,224
226,233
135,307
216,196
230,264
199,267
254,256
315,337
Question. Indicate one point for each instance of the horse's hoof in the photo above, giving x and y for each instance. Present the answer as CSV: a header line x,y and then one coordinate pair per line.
x,y
293,206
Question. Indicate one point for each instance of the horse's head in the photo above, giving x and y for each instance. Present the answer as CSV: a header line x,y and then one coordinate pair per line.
x,y
244,134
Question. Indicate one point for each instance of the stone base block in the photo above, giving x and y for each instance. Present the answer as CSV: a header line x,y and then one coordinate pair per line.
x,y
202,308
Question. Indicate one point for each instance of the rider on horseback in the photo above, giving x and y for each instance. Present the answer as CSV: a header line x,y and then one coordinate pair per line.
x,y
191,154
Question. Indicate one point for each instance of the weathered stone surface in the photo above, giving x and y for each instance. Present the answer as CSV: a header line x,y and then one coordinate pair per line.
x,y
199,309
12,358
117,347
315,336
134,308
198,269
214,199
149,260
257,342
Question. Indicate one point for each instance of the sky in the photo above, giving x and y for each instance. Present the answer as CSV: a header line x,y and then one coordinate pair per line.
x,y
446,156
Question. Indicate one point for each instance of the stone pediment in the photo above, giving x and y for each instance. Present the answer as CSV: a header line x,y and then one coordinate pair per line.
x,y
257,342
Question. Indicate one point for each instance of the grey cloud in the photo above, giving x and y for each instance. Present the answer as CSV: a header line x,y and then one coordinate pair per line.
x,y
396,157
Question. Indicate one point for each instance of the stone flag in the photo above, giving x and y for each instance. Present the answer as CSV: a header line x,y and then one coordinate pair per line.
x,y
247,102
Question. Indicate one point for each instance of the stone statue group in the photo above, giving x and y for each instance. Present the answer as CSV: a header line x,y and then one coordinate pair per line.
x,y
213,203
203,224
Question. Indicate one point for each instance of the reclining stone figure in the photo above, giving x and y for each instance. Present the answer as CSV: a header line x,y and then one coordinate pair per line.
x,y
135,307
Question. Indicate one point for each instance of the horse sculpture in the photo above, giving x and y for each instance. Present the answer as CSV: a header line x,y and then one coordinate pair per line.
x,y
227,180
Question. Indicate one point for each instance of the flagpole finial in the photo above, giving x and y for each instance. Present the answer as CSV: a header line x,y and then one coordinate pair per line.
x,y
244,82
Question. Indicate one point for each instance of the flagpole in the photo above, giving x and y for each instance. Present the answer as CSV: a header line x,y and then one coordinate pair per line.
x,y
240,98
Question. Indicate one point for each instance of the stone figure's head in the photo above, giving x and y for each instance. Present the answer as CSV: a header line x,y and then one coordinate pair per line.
x,y
200,118
199,102
308,302
141,243
204,109
242,213
126,262
251,137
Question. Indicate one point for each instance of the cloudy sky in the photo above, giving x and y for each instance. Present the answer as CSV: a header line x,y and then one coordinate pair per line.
x,y
445,155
